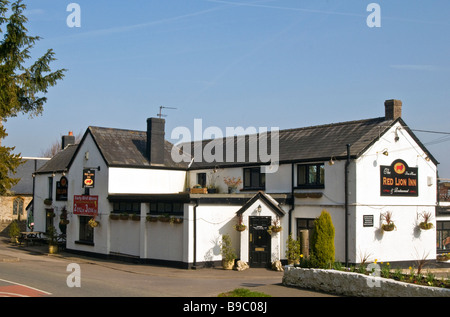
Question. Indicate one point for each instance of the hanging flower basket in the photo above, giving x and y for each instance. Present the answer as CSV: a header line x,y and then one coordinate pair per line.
x,y
426,225
240,227
93,223
64,222
388,227
274,229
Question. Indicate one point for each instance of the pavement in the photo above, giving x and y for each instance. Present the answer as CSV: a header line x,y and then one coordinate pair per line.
x,y
261,280
255,279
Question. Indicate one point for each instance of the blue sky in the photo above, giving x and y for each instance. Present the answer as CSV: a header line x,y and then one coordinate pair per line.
x,y
250,63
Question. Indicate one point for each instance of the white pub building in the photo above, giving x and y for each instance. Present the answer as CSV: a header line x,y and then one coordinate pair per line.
x,y
123,195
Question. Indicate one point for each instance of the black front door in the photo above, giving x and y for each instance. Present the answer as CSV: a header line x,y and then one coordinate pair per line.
x,y
259,241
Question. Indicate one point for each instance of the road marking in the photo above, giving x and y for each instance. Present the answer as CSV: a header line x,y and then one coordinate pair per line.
x,y
20,290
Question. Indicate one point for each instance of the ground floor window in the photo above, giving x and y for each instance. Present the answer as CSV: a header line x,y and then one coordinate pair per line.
x,y
127,207
166,207
86,231
443,236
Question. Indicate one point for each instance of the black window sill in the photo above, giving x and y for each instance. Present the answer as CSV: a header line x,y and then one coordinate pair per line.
x,y
249,189
84,242
310,187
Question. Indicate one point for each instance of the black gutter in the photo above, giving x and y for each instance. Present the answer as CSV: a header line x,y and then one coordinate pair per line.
x,y
347,163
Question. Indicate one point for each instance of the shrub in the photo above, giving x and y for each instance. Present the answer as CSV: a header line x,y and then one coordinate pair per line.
x,y
322,246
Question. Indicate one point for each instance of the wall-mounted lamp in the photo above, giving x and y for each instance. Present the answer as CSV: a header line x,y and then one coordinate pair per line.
x,y
331,162
385,152
86,155
258,210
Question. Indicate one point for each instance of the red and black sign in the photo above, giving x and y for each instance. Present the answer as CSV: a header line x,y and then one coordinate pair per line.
x,y
399,179
88,178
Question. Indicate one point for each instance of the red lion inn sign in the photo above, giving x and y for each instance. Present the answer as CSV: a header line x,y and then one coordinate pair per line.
x,y
85,205
399,179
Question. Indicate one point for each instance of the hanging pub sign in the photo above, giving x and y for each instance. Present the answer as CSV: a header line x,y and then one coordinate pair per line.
x,y
88,178
399,179
61,189
85,205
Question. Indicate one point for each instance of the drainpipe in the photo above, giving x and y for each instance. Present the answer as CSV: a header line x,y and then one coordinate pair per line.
x,y
194,264
292,199
347,163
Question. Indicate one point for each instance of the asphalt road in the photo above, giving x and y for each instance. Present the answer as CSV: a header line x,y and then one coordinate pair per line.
x,y
31,272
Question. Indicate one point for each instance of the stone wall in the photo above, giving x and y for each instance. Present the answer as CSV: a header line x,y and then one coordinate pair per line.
x,y
354,284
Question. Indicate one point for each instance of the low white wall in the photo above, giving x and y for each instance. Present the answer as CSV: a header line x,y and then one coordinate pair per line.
x,y
354,284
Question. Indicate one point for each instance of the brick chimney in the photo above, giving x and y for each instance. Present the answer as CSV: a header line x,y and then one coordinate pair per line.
x,y
393,109
67,140
155,140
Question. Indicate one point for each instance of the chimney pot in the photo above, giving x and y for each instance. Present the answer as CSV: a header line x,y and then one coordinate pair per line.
x,y
67,140
393,109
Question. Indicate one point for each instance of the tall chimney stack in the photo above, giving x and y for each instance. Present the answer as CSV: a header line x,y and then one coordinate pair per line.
x,y
393,109
67,140
155,140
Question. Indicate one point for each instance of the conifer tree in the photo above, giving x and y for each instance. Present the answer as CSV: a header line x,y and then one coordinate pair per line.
x,y
322,243
23,82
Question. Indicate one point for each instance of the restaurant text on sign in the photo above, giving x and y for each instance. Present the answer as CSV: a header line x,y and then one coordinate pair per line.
x,y
85,205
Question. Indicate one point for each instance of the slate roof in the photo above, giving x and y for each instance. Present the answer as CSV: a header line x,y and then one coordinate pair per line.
x,y
126,148
315,143
24,172
60,161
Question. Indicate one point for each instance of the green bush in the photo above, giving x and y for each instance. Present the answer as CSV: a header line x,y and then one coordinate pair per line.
x,y
322,241
14,229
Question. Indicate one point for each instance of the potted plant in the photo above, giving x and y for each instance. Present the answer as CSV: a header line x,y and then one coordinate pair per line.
x,y
232,183
275,227
389,223
14,231
52,240
240,225
227,252
426,224
293,252
212,177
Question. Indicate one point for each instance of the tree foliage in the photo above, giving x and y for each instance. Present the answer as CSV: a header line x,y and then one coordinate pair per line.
x,y
23,82
322,241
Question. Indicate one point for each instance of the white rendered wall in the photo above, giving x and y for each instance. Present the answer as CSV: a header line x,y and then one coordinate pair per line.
x,y
145,181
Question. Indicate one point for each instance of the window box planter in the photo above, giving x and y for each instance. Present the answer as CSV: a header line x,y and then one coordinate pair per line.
x,y
124,216
152,218
114,216
199,190
176,220
136,217
164,218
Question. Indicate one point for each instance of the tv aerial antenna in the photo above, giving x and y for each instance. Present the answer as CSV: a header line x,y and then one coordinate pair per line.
x,y
160,115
